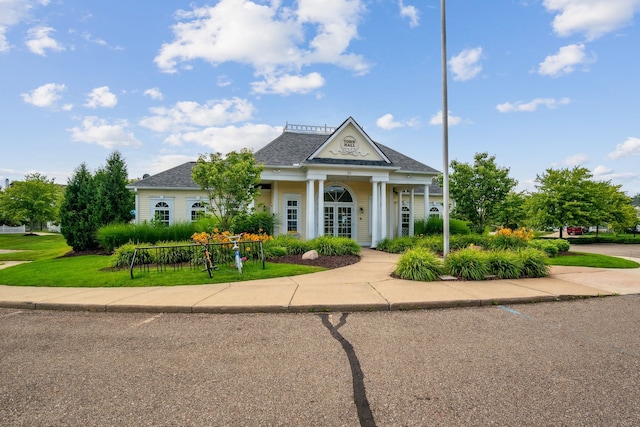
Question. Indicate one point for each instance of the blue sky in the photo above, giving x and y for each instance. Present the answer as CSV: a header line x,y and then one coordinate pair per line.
x,y
537,83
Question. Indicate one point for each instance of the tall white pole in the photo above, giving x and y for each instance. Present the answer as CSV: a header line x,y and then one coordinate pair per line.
x,y
445,133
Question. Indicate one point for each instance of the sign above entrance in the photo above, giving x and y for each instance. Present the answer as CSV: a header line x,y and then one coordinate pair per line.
x,y
349,146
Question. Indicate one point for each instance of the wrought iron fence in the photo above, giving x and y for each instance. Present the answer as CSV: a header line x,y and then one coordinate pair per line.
x,y
192,256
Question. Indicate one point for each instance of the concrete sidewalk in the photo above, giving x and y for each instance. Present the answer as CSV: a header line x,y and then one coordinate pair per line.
x,y
366,285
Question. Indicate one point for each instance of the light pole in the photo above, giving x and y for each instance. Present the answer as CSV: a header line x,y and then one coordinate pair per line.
x,y
445,133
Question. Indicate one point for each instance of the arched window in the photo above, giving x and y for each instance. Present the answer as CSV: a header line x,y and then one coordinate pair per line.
x,y
197,210
337,194
434,212
162,213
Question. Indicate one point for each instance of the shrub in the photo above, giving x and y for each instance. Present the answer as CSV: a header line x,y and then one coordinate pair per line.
x,y
401,244
419,264
255,223
563,245
115,235
435,225
504,264
547,246
533,263
174,254
469,264
507,238
293,245
123,255
383,245
464,241
432,243
272,251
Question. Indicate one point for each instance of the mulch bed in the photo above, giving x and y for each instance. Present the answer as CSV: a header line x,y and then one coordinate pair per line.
x,y
322,261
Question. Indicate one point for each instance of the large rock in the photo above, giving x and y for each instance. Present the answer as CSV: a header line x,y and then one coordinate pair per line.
x,y
312,254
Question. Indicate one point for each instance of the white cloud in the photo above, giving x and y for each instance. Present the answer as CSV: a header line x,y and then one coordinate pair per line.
x,y
12,12
593,18
631,147
189,115
289,84
550,103
604,173
45,95
39,41
101,97
410,12
576,160
565,61
465,65
436,119
269,37
154,93
100,132
228,138
387,122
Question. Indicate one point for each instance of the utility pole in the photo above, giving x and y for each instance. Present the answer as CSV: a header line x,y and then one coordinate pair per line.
x,y
445,133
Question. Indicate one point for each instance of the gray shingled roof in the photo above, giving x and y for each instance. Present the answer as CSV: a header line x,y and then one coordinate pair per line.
x,y
294,148
177,177
288,149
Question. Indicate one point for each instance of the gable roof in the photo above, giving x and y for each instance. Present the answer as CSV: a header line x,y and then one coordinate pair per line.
x,y
342,127
299,148
294,149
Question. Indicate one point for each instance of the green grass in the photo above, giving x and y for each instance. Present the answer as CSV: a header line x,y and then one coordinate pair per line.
x,y
35,247
47,269
582,259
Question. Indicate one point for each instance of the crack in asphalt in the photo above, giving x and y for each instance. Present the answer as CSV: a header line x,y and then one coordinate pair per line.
x,y
359,392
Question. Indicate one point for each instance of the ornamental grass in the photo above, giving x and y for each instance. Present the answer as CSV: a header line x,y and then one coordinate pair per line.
x,y
468,264
419,264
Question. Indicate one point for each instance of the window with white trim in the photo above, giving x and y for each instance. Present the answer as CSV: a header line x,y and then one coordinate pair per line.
x,y
434,212
292,213
196,210
162,210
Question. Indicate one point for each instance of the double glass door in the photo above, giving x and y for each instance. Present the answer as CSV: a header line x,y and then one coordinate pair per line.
x,y
338,220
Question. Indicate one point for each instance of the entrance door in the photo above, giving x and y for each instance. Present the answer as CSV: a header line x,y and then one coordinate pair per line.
x,y
338,212
338,220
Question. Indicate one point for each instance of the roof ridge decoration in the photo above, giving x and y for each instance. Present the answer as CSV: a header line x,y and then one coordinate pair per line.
x,y
349,145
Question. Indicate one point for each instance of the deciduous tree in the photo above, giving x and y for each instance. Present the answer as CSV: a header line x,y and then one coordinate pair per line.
x,y
479,190
231,183
36,199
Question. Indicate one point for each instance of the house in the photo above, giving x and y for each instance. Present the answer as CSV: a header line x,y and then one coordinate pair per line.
x,y
317,180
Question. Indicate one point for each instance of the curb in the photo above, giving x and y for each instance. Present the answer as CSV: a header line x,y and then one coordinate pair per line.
x,y
328,308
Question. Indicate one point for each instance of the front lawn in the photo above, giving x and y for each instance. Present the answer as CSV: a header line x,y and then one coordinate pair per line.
x,y
50,269
583,259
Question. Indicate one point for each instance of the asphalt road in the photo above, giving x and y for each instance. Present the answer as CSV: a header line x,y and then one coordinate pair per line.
x,y
549,364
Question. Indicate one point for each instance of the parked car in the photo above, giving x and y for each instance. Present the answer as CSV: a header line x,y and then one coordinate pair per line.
x,y
577,231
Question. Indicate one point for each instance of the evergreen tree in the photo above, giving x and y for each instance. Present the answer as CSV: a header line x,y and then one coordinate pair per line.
x,y
78,221
113,200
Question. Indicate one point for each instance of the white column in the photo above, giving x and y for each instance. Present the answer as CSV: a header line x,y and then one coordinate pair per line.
x,y
311,225
320,225
383,210
375,210
137,207
399,224
275,207
426,202
412,208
